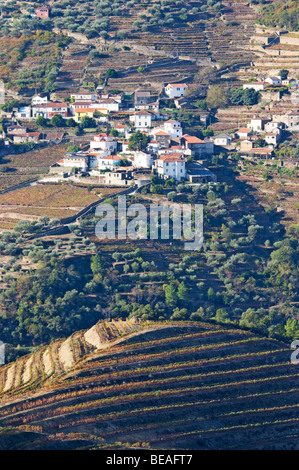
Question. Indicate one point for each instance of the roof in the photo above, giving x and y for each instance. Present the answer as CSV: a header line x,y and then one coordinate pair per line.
x,y
85,110
83,92
142,92
261,151
33,134
161,133
223,136
107,100
81,103
172,157
178,85
55,135
111,157
191,139
244,130
142,113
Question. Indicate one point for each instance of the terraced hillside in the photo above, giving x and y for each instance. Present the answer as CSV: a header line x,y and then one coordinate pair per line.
x,y
175,385
204,38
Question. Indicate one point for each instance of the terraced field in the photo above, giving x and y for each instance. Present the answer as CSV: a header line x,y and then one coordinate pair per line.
x,y
52,200
173,386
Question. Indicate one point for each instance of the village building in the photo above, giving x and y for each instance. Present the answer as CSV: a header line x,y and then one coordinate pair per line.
x,y
195,146
119,177
49,110
262,152
205,118
142,97
109,104
27,137
175,90
122,128
39,99
272,138
162,137
103,143
140,159
246,145
78,105
80,113
274,126
197,173
109,162
174,128
290,119
77,160
244,133
142,120
154,146
256,86
182,102
223,139
84,96
24,112
42,12
171,166
258,124
16,129
273,80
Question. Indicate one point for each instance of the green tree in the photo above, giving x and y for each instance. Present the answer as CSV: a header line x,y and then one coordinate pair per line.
x,y
138,141
57,121
41,121
183,293
171,297
96,265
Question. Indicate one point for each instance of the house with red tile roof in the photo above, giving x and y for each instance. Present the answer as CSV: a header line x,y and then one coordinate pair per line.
x,y
171,165
175,90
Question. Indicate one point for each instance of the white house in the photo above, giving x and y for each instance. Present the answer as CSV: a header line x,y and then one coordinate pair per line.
x,y
103,143
257,124
244,133
38,99
49,110
142,120
175,90
109,162
24,112
80,104
273,80
109,104
74,161
140,159
171,166
122,128
273,126
272,138
84,96
222,139
257,86
174,128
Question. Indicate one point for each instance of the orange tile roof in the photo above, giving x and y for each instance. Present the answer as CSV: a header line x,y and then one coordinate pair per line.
x,y
244,130
191,139
177,84
172,158
84,110
111,157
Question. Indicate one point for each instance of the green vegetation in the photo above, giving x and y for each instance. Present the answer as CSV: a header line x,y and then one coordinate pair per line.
x,y
283,14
